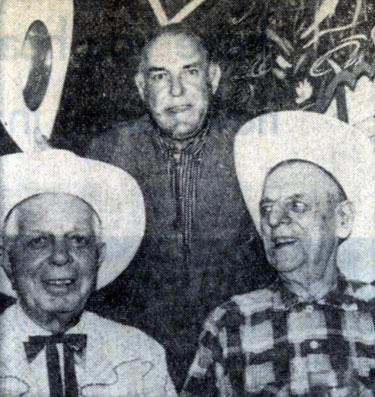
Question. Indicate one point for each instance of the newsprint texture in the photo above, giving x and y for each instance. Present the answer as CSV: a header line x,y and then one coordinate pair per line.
x,y
187,198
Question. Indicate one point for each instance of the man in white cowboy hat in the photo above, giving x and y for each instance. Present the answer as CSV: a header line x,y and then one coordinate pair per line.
x,y
312,332
69,226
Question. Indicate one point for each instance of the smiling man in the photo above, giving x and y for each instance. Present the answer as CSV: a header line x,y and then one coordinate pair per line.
x,y
304,217
312,332
58,247
199,234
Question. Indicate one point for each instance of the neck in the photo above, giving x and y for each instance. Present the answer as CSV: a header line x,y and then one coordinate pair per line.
x,y
181,140
312,286
56,323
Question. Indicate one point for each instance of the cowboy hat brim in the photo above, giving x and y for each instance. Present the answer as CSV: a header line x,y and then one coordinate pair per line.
x,y
344,151
112,192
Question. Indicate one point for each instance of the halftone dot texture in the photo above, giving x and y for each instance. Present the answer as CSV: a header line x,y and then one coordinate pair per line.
x,y
112,192
337,147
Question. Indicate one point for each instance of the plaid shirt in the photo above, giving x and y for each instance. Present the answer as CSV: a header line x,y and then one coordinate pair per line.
x,y
268,343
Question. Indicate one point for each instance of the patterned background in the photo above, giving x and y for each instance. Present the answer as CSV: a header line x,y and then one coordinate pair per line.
x,y
275,55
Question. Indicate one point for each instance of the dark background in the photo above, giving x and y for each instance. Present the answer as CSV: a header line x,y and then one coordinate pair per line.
x,y
99,89
259,45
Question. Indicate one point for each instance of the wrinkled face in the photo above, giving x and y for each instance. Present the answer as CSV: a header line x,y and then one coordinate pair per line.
x,y
298,219
176,84
54,254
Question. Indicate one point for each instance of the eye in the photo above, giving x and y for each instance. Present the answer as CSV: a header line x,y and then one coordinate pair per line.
x,y
265,209
192,72
38,242
79,241
298,207
158,77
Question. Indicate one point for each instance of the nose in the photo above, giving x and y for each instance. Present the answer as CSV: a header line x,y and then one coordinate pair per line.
x,y
278,215
177,88
60,255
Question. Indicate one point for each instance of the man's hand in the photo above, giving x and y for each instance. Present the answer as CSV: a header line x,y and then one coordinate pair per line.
x,y
41,141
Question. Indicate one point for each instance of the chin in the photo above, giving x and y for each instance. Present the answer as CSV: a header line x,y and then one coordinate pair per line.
x,y
183,133
286,260
284,265
63,304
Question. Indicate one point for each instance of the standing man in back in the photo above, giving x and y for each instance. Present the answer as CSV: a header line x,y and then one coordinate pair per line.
x,y
200,246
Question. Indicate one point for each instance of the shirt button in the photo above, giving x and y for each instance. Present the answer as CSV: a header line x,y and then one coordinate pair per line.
x,y
314,344
310,308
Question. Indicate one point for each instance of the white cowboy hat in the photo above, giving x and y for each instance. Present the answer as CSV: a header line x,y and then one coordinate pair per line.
x,y
112,192
337,147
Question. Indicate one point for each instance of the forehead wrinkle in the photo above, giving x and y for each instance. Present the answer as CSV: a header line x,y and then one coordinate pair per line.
x,y
29,210
171,42
323,184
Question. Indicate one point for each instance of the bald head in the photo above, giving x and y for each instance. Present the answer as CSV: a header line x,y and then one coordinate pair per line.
x,y
53,204
305,215
52,252
176,81
316,175
186,41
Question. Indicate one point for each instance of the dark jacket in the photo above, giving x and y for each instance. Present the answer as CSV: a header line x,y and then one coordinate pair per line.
x,y
158,292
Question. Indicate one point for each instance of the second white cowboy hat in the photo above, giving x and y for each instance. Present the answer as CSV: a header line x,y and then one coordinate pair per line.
x,y
339,148
36,37
112,192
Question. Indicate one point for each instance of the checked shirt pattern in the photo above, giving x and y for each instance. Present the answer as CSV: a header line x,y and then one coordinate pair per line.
x,y
268,343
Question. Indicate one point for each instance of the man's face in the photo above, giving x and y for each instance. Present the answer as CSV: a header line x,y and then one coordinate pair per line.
x,y
54,255
298,220
176,84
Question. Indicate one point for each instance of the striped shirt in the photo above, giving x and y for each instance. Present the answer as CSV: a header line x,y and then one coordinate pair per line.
x,y
183,168
269,343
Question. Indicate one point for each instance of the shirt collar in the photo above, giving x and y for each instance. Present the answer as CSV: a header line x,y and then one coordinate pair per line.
x,y
193,145
284,298
26,328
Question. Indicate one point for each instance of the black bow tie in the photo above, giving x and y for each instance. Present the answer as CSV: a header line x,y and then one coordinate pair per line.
x,y
72,343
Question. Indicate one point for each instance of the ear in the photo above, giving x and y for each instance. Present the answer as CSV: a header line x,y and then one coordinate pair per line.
x,y
4,260
344,219
214,76
101,253
140,83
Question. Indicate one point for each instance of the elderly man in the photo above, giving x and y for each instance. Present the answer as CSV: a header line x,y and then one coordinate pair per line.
x,y
70,225
311,333
199,233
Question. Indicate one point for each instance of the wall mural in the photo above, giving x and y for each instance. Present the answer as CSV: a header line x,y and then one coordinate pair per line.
x,y
317,55
326,57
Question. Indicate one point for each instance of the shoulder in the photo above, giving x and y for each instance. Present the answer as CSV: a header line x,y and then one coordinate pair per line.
x,y
118,335
236,309
121,137
362,292
228,125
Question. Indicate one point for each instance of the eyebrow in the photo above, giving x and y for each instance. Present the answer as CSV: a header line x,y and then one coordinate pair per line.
x,y
293,196
265,201
38,231
192,65
34,231
156,69
162,69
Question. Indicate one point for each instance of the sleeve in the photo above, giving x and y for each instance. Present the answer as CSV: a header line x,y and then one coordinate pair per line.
x,y
206,369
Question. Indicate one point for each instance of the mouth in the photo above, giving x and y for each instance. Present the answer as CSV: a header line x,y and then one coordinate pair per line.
x,y
59,283
179,109
280,242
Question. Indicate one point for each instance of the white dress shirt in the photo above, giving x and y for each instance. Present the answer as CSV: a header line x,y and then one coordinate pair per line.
x,y
118,360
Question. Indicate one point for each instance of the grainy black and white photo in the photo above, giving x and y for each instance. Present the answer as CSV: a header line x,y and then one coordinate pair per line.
x,y
187,198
